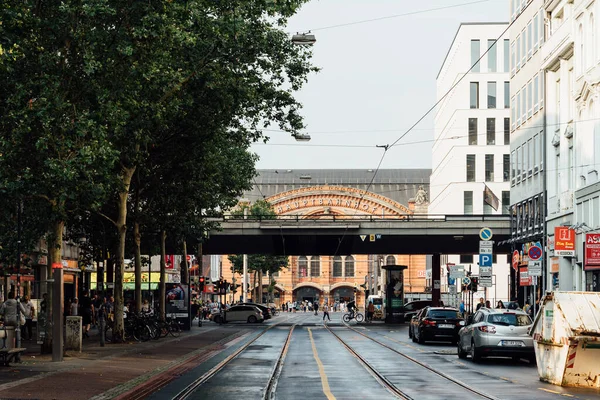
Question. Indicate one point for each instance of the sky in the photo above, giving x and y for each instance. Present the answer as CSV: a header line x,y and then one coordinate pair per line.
x,y
377,79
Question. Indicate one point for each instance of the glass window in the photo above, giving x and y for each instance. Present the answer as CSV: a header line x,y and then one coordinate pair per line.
x,y
505,202
513,64
521,165
513,165
491,103
506,55
349,263
474,103
470,167
530,156
337,266
506,130
475,54
491,131
489,167
529,99
518,109
492,55
536,144
529,39
536,94
315,266
542,12
513,114
468,202
487,209
303,266
506,94
523,106
472,131
536,32
523,48
518,49
506,167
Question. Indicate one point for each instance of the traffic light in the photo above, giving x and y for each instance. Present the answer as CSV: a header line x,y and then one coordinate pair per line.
x,y
474,283
201,284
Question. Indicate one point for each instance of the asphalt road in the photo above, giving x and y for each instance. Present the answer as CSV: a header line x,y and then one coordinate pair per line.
x,y
317,365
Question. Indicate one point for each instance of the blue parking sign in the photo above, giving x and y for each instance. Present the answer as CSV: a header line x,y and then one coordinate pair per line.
x,y
485,260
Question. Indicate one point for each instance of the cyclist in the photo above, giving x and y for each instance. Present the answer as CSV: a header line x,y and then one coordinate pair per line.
x,y
351,308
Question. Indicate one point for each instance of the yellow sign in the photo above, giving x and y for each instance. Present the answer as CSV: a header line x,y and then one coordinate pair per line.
x,y
371,237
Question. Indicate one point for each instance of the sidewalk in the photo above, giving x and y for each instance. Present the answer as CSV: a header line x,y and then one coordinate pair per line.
x,y
114,367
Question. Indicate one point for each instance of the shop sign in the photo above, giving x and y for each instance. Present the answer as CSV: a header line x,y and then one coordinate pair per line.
x,y
554,263
592,251
524,278
564,241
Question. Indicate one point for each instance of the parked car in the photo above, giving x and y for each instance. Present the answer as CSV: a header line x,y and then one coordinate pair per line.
x,y
412,307
239,313
437,323
414,322
265,310
497,332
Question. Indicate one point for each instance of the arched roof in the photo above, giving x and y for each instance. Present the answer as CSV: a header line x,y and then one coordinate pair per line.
x,y
308,284
341,284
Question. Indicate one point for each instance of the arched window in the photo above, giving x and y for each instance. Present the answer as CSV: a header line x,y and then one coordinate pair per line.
x,y
349,266
390,260
337,266
302,266
592,52
315,266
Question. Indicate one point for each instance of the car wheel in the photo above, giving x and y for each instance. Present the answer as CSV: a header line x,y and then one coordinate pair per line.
x,y
532,359
252,319
410,334
461,353
475,356
217,319
421,339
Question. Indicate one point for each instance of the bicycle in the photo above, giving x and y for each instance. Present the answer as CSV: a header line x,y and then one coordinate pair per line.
x,y
353,315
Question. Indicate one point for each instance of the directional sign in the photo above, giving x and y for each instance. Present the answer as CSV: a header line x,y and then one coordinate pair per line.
x,y
485,272
485,281
485,260
486,234
457,271
466,280
535,253
486,247
535,268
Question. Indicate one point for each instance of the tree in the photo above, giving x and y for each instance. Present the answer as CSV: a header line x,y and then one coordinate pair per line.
x,y
258,263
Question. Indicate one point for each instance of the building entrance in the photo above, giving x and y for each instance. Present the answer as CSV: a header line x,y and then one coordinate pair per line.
x,y
593,281
307,293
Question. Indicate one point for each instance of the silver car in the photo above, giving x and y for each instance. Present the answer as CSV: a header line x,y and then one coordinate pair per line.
x,y
496,332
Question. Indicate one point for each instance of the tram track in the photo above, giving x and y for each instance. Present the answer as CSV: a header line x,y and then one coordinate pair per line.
x,y
389,385
274,375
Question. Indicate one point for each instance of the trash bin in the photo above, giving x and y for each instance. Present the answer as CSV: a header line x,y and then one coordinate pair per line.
x,y
566,332
7,337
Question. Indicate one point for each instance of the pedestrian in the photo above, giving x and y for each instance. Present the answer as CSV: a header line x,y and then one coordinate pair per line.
x,y
146,309
102,314
488,304
326,314
370,312
526,307
461,308
27,331
9,311
480,304
316,306
87,313
75,307
500,304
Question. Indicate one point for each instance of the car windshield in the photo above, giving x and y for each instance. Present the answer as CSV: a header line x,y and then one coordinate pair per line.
x,y
509,319
443,314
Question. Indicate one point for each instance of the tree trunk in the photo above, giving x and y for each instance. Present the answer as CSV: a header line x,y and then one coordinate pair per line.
x,y
121,223
138,266
54,256
254,287
260,287
185,279
163,270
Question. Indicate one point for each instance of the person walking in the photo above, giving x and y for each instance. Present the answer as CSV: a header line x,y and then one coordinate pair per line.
x,y
11,309
370,312
480,304
75,307
27,331
316,306
87,313
500,304
326,314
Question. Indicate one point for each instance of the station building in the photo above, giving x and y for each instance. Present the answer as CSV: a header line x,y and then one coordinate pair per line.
x,y
343,194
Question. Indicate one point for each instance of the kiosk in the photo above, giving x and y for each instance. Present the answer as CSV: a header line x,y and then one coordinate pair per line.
x,y
394,293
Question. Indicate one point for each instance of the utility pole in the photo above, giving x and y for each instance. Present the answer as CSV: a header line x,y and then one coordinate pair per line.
x,y
245,262
18,294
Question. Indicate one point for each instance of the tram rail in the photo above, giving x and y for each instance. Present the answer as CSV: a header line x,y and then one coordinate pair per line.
x,y
390,386
272,382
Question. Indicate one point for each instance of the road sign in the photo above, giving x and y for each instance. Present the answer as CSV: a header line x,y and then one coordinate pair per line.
x,y
535,253
457,271
371,237
363,237
485,272
486,247
486,234
535,268
485,260
466,280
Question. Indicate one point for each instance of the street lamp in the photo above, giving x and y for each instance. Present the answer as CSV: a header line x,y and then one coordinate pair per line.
x,y
301,137
304,39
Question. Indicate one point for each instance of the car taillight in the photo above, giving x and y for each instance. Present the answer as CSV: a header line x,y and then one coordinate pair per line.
x,y
428,322
487,328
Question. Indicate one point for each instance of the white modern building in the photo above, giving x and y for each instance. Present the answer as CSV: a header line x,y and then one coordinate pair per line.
x,y
527,138
570,58
471,154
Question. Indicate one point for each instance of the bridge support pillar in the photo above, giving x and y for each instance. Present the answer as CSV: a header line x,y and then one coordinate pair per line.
x,y
435,279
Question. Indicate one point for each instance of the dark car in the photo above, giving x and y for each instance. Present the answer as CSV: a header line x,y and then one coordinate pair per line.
x,y
412,307
414,322
265,310
437,323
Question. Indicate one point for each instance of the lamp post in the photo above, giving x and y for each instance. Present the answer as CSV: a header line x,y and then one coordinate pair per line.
x,y
18,294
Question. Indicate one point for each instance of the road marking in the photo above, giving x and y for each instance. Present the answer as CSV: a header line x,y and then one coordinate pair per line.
x,y
324,380
549,391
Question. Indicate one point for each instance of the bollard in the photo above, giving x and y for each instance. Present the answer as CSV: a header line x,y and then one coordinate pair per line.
x,y
74,335
102,325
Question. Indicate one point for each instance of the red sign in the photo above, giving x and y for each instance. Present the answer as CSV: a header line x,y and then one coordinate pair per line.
x,y
524,278
564,241
592,251
169,261
57,265
535,253
515,260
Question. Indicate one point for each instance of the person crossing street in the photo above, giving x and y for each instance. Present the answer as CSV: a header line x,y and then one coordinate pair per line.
x,y
326,313
316,306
